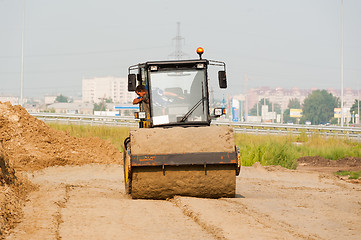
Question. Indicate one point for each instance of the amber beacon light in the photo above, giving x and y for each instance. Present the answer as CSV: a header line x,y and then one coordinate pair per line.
x,y
200,51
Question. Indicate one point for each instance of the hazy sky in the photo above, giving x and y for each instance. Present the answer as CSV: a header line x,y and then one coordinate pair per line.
x,y
276,43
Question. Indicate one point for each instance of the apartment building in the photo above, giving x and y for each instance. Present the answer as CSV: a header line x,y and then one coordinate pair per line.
x,y
282,96
94,90
278,95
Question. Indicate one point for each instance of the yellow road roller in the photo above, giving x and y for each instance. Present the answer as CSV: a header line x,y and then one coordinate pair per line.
x,y
175,150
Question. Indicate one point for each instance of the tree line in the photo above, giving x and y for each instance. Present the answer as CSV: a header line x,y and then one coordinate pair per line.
x,y
317,108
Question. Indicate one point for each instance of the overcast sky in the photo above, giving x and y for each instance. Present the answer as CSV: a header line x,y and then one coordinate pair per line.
x,y
275,43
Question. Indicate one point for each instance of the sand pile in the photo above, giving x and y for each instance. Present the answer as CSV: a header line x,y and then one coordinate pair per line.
x,y
181,140
10,206
27,143
31,145
7,174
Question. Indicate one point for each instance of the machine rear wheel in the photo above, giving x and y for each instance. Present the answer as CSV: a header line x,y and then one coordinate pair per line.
x,y
127,167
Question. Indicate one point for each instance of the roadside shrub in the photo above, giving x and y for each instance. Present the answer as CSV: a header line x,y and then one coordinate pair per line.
x,y
268,151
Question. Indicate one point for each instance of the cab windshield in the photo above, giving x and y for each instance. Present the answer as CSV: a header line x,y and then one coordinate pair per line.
x,y
178,96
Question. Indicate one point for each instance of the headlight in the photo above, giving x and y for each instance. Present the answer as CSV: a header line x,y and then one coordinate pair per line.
x,y
219,111
153,68
200,65
139,115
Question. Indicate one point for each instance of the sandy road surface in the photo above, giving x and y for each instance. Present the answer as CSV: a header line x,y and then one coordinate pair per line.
x,y
88,202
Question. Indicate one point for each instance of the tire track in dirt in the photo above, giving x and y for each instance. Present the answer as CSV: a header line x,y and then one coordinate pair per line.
x,y
41,214
195,216
99,212
226,220
270,223
89,202
280,204
314,204
61,204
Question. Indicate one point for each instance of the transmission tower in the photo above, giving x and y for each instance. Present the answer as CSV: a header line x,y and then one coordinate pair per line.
x,y
178,53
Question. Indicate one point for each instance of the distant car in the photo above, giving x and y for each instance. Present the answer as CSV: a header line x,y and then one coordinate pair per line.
x,y
308,122
290,123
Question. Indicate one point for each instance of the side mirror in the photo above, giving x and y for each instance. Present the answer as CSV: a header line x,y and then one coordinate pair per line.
x,y
132,81
222,79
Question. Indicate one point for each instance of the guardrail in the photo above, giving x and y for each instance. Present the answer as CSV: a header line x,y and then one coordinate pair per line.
x,y
86,119
295,129
254,128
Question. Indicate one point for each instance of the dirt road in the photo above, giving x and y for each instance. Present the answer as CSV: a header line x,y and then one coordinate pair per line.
x,y
88,202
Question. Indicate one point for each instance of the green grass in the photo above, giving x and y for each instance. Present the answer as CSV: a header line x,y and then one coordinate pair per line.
x,y
331,148
352,175
266,149
285,150
115,135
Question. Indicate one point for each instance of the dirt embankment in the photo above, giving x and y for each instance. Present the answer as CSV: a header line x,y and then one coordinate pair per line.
x,y
7,178
32,145
320,164
13,191
28,144
317,161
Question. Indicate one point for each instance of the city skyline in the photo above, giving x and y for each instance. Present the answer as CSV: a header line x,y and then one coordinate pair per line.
x,y
101,92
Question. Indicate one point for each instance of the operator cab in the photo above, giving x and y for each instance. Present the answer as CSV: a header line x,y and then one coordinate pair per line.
x,y
178,91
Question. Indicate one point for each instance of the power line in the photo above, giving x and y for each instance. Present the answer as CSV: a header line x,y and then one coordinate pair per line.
x,y
178,53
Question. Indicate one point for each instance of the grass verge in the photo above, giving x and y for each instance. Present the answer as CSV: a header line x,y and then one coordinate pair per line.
x,y
285,150
266,149
115,135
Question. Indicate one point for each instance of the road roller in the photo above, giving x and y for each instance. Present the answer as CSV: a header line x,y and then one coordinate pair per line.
x,y
175,150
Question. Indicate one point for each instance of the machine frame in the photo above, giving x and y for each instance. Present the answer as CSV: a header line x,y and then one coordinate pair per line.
x,y
140,74
191,162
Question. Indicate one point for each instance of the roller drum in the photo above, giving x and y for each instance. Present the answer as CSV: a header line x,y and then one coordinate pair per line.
x,y
214,181
195,161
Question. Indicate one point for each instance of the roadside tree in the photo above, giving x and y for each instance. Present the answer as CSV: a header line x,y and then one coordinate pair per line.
x,y
62,99
293,103
99,106
277,107
318,107
354,107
